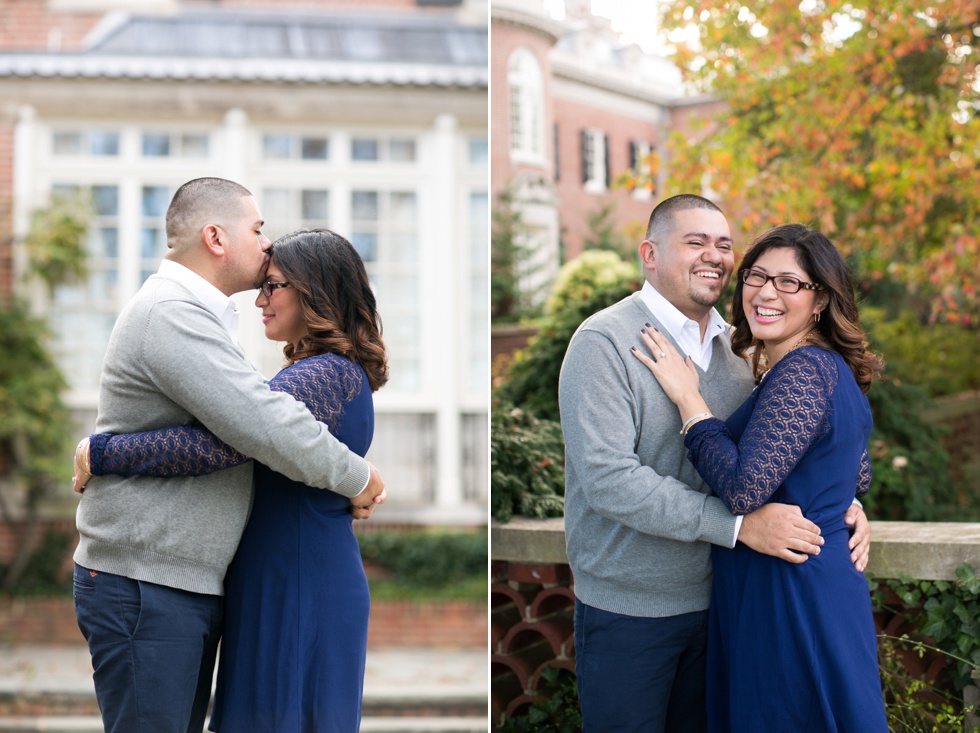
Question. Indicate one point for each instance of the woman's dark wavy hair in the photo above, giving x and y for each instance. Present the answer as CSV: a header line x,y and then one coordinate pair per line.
x,y
336,300
839,327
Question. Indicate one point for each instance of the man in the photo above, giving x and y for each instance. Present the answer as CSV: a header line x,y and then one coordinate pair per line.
x,y
153,553
639,520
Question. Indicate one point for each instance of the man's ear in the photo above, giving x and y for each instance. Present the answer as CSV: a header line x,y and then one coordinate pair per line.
x,y
648,254
211,236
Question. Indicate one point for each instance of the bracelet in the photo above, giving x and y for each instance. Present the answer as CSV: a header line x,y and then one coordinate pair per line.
x,y
86,464
691,421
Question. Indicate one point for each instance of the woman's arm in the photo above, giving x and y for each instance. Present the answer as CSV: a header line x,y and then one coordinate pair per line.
x,y
789,416
184,450
324,384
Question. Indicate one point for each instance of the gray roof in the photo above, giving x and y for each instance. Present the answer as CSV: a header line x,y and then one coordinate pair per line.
x,y
392,48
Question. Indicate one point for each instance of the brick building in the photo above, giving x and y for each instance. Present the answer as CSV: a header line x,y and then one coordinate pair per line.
x,y
365,116
573,108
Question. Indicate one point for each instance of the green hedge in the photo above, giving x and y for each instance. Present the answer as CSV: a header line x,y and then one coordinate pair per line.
x,y
428,559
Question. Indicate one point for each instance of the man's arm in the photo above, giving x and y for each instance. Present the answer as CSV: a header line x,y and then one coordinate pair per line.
x,y
191,359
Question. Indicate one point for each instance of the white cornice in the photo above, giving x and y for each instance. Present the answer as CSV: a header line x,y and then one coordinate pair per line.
x,y
551,29
254,69
621,83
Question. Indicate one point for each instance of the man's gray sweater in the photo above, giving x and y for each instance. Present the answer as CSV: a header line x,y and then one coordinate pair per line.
x,y
171,361
638,518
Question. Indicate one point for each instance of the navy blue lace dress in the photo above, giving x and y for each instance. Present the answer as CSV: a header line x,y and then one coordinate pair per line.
x,y
792,647
293,651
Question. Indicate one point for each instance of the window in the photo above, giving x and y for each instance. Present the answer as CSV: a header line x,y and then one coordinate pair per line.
x,y
384,231
165,145
295,147
479,152
526,87
82,314
153,233
97,143
393,150
288,209
595,161
640,151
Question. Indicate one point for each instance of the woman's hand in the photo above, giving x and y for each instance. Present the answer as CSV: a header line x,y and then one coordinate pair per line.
x,y
677,376
82,466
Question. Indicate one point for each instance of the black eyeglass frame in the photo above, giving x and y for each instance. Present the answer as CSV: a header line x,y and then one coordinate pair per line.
x,y
268,287
750,272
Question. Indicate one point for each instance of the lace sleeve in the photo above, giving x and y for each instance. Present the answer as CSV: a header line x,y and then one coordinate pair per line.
x,y
864,475
184,450
790,415
325,384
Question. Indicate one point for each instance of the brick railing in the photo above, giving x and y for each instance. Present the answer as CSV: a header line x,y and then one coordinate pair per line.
x,y
531,599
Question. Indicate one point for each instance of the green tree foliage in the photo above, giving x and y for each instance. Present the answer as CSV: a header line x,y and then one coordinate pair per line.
x,y
941,358
55,242
36,429
857,117
513,269
36,425
587,284
603,233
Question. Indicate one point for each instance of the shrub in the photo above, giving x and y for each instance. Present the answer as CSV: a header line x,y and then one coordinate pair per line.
x,y
428,559
527,458
587,284
557,712
909,463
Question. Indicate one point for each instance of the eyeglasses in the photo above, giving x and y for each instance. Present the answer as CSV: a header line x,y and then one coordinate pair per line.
x,y
267,287
782,283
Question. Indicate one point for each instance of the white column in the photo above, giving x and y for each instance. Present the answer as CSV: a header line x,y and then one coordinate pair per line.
x,y
24,194
445,259
235,159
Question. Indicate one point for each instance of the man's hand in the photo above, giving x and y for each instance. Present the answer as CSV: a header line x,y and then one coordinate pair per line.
x,y
782,531
860,542
364,512
372,495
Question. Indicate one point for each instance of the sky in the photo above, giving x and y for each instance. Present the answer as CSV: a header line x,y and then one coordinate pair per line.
x,y
635,19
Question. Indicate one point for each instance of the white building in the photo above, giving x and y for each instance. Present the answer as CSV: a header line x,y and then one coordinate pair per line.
x,y
373,124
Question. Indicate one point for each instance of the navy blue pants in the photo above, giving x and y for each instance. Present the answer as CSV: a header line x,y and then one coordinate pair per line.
x,y
641,674
153,650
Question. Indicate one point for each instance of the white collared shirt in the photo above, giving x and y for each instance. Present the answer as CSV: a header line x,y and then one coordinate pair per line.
x,y
223,307
686,332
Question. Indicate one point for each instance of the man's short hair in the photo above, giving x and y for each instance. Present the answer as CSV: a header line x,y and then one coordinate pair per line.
x,y
662,216
200,202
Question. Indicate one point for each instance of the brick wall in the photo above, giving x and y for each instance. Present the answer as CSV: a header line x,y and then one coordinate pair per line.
x,y
449,624
577,204
446,625
531,611
506,38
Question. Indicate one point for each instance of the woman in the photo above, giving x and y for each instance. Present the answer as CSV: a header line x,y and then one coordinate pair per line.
x,y
293,651
791,647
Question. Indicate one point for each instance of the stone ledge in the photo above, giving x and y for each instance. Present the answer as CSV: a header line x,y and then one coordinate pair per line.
x,y
921,550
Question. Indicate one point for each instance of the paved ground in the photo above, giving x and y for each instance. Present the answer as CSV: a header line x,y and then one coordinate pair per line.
x,y
398,671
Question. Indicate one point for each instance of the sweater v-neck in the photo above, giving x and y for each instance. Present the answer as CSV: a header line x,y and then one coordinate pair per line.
x,y
706,375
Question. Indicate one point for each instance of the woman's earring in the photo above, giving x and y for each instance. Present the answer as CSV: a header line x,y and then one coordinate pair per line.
x,y
816,317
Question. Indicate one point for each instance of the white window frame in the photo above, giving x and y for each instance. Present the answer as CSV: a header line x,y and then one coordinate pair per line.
x,y
525,83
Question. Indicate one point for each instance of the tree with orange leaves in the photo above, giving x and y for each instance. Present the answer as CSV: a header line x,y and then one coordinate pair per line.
x,y
860,119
